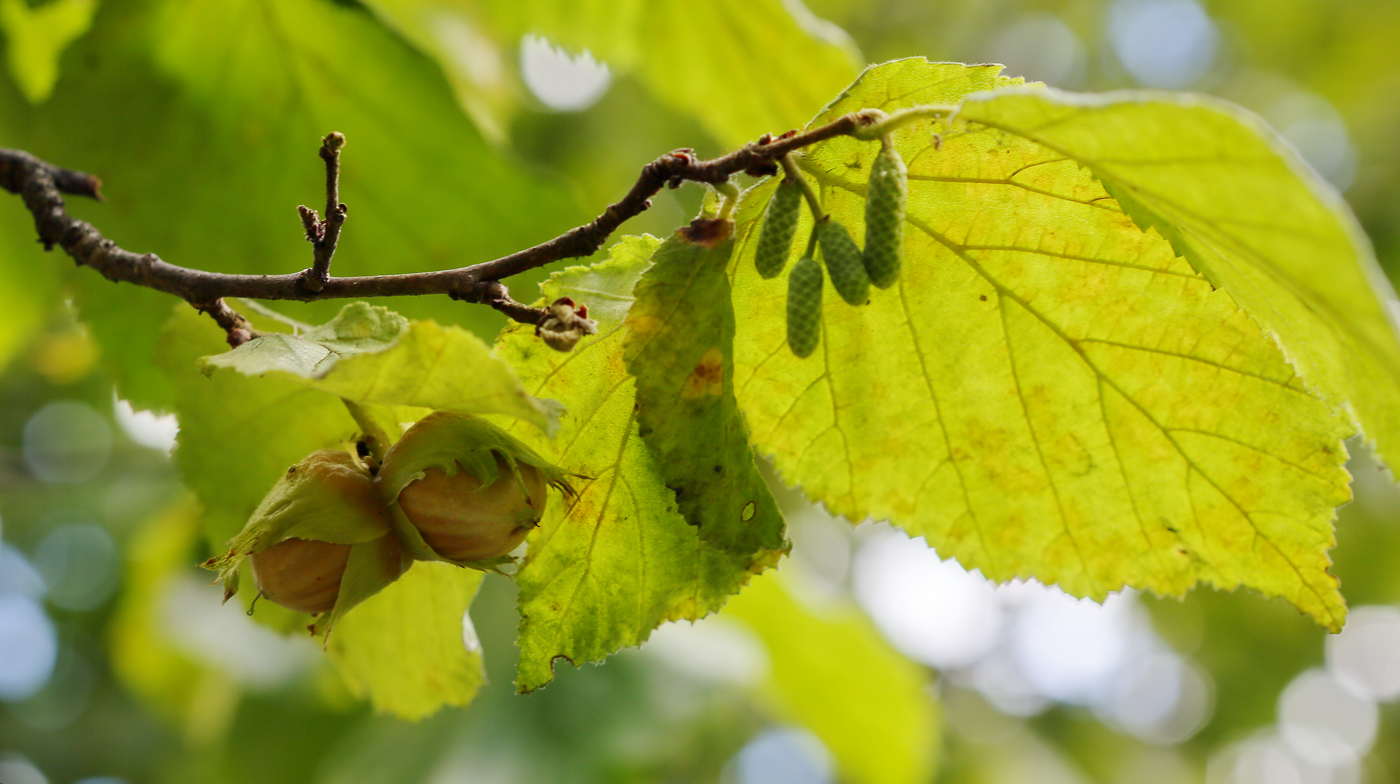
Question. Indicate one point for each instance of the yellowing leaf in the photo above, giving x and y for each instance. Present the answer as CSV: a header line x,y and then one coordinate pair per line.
x,y
1048,390
834,674
618,560
36,37
410,649
1250,216
679,347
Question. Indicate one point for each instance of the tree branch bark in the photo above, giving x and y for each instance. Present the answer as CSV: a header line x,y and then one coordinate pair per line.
x,y
41,185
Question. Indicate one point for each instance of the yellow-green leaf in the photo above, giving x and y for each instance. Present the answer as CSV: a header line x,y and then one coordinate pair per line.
x,y
832,672
679,347
1250,215
410,649
618,560
1048,390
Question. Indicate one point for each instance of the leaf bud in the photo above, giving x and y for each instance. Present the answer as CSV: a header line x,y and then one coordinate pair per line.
x,y
564,324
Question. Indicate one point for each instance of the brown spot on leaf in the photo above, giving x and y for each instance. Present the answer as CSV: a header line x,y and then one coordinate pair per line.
x,y
707,378
708,232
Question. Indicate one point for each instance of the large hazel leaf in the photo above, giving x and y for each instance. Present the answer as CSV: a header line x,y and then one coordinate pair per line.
x,y
618,560
831,672
1250,215
36,37
411,649
679,346
1049,390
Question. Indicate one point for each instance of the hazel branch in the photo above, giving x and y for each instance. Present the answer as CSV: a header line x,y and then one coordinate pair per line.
x,y
41,185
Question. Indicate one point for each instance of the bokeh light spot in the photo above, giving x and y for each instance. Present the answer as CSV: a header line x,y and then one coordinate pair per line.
x,y
78,560
561,81
783,756
28,648
66,441
1040,47
1365,657
933,610
1169,44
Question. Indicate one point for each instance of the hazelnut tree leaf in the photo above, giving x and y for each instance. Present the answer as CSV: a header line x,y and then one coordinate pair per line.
x,y
411,648
1244,209
36,37
1049,390
608,566
678,345
373,356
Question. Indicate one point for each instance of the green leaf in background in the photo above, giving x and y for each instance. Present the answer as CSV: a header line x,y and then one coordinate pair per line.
x,y
692,56
411,649
29,289
1048,391
831,672
36,37
678,345
619,560
359,328
1250,216
144,657
222,148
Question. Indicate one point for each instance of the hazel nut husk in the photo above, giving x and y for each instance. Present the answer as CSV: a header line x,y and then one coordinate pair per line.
x,y
464,491
321,541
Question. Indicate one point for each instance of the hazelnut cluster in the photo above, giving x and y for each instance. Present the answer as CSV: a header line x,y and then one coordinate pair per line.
x,y
332,532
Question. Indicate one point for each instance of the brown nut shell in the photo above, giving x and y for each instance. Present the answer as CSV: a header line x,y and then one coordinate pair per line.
x,y
463,521
301,574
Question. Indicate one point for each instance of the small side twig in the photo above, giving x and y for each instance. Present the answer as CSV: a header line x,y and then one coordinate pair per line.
x,y
238,329
495,294
325,233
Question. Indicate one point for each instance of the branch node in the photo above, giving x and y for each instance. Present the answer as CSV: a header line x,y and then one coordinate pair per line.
x,y
237,329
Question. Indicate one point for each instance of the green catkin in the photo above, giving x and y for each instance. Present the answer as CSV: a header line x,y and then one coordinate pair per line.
x,y
843,262
885,199
804,307
779,226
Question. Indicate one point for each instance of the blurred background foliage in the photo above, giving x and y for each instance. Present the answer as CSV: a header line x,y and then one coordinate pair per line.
x,y
473,133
